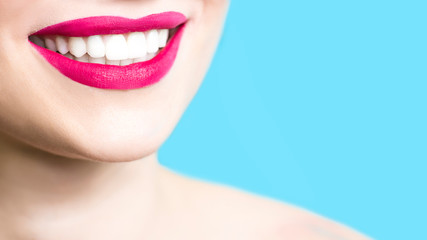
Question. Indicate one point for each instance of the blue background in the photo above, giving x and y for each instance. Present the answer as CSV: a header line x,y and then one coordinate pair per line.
x,y
321,104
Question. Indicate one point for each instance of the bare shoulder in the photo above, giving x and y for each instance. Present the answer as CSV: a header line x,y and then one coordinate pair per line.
x,y
248,216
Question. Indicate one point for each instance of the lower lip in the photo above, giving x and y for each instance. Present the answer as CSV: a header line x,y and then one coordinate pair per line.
x,y
128,77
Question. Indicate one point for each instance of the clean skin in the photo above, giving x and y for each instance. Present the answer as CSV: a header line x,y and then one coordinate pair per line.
x,y
78,162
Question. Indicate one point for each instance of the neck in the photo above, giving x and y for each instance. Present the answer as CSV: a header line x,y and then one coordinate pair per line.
x,y
40,191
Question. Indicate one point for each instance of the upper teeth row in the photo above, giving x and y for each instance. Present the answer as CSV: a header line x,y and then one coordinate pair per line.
x,y
112,47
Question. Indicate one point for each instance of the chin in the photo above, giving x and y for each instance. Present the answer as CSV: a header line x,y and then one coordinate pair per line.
x,y
128,144
120,150
124,138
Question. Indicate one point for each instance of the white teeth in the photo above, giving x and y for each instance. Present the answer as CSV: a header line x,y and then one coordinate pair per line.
x,y
126,62
95,46
141,59
137,45
84,58
50,44
163,37
116,47
77,46
152,41
38,41
113,62
97,60
61,44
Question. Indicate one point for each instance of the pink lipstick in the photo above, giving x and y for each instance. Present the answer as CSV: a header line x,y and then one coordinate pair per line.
x,y
105,76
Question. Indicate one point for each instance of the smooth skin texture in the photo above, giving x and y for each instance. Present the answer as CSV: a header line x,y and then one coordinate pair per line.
x,y
81,163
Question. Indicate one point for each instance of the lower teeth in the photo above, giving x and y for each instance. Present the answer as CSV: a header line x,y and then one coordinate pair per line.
x,y
88,59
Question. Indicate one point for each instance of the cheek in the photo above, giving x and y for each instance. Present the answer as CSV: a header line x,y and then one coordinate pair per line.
x,y
17,16
8,8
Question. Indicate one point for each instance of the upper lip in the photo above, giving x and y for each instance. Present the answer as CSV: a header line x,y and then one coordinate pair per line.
x,y
102,25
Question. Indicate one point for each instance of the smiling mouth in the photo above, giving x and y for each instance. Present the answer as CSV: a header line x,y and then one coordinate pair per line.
x,y
113,52
112,49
